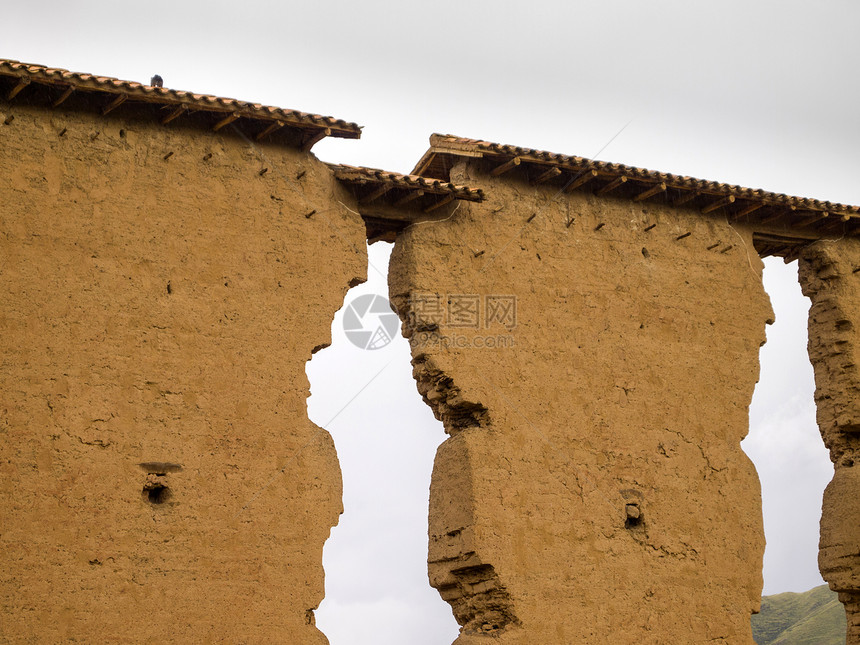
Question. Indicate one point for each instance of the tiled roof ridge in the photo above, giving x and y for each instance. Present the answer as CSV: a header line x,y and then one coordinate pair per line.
x,y
447,143
77,80
356,173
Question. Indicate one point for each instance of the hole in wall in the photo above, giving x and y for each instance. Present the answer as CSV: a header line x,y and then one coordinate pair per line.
x,y
784,442
375,561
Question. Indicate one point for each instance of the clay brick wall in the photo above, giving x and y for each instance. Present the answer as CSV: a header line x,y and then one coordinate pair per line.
x,y
829,274
593,489
160,478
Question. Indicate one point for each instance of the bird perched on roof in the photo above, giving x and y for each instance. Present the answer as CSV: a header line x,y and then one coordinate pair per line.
x,y
157,81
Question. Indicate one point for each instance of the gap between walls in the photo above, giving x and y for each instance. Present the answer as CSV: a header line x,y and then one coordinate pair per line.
x,y
375,561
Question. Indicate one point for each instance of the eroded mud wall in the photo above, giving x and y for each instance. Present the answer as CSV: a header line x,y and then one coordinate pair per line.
x,y
829,274
158,309
593,489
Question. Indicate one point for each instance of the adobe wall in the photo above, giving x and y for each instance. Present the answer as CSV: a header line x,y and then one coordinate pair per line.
x,y
829,274
157,315
592,489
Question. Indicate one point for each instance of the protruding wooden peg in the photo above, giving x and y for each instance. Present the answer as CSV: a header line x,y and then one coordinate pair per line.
x,y
600,226
168,155
683,235
531,217
569,222
715,245
649,227
263,171
311,214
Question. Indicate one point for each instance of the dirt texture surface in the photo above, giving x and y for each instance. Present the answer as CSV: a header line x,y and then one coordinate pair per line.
x,y
593,488
161,294
830,276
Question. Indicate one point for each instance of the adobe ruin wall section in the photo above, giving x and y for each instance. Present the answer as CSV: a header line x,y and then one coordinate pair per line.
x,y
829,275
161,296
593,488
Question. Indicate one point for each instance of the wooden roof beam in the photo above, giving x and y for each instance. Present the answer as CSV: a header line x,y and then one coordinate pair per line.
x,y
62,98
505,167
612,185
373,195
23,82
174,114
833,222
411,196
552,173
683,199
815,217
110,107
269,129
315,138
725,201
447,199
580,180
659,188
227,120
746,210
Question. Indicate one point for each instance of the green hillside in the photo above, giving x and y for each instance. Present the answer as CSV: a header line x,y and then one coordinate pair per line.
x,y
815,617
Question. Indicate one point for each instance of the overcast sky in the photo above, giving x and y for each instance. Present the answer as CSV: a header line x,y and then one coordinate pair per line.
x,y
763,94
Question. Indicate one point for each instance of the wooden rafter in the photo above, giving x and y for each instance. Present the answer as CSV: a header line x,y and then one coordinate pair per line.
x,y
22,83
110,107
815,217
269,129
62,98
227,120
175,113
316,137
447,199
580,180
553,172
723,201
659,188
375,194
683,199
505,167
411,196
746,210
612,185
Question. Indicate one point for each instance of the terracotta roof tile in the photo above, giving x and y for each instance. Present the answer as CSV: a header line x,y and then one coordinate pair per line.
x,y
374,176
166,96
431,164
